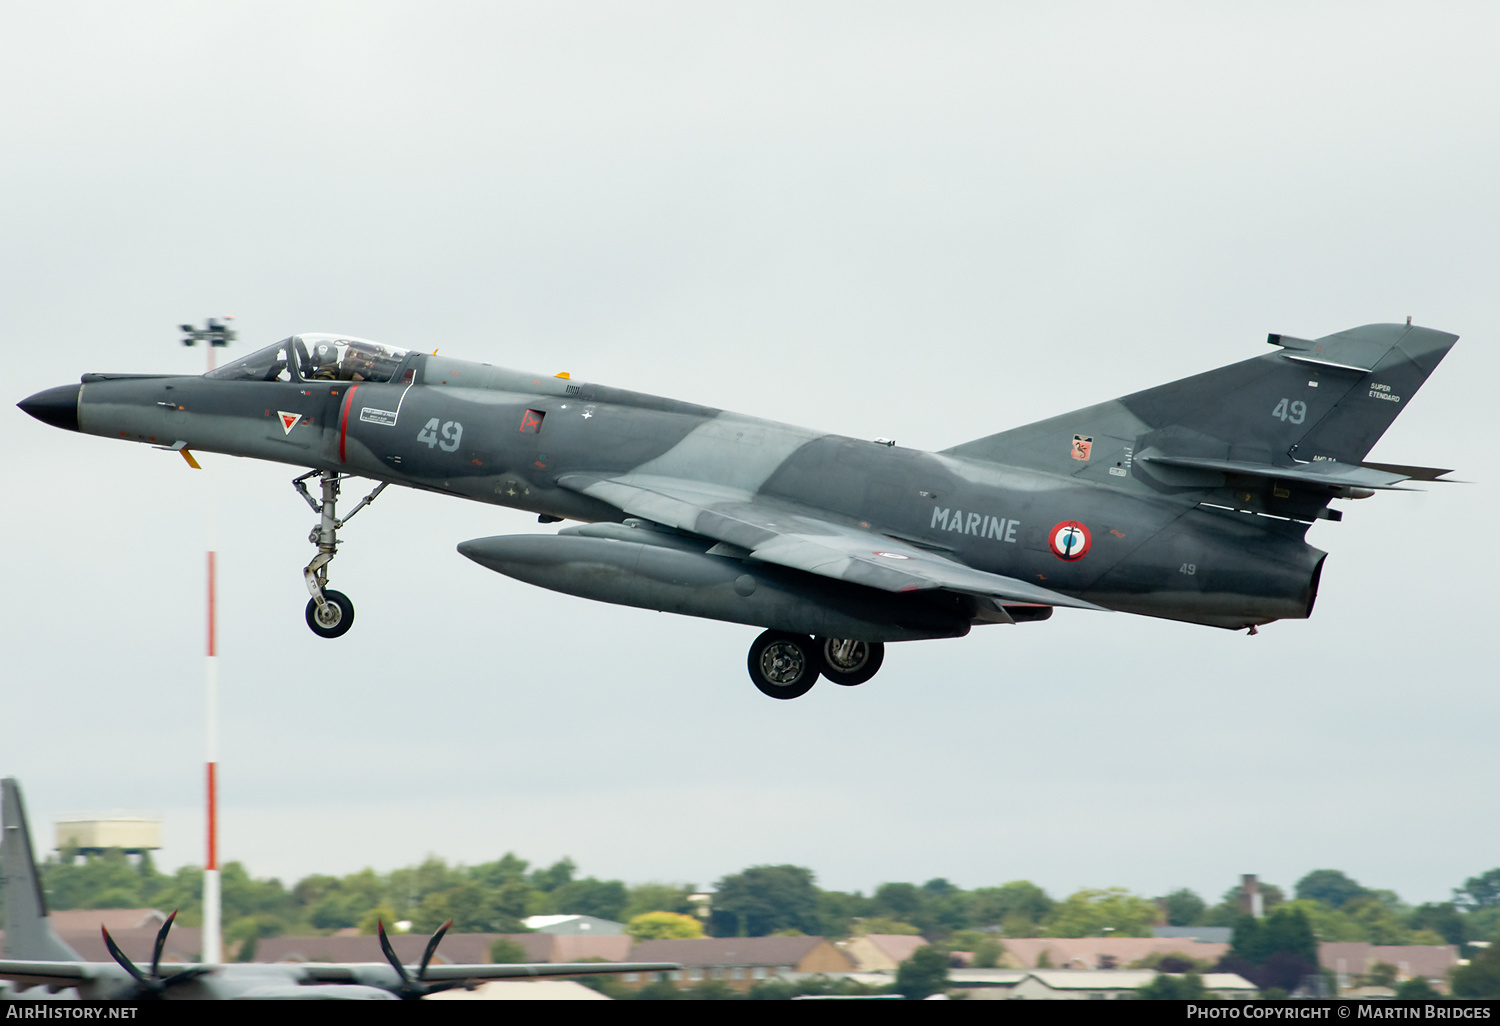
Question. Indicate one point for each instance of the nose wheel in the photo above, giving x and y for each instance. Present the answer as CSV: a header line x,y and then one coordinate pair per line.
x,y
330,614
334,617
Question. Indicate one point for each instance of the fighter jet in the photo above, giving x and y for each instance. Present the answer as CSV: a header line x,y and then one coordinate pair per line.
x,y
37,957
1188,501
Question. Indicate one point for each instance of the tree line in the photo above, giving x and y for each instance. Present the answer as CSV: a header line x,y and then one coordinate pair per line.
x,y
494,897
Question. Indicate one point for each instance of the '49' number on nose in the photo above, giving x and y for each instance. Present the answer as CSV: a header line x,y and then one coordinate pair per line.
x,y
451,432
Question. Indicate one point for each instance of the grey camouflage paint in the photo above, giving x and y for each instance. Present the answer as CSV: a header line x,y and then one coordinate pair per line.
x,y
1194,497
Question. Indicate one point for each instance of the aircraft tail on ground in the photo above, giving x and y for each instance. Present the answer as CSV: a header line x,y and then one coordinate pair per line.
x,y
28,932
1327,399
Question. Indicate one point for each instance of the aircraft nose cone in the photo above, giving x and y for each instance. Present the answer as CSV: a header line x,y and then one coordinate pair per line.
x,y
55,406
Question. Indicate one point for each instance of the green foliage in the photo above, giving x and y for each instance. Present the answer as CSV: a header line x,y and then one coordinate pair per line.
x,y
780,990
713,990
1184,908
1173,988
764,899
771,990
1286,930
604,899
654,897
882,924
1094,913
1275,954
1479,892
1330,887
1443,919
923,974
1017,907
109,880
1482,925
663,926
987,954
610,986
507,951
371,921
659,990
1381,974
1172,962
1481,977
839,911
1417,989
559,874
901,901
967,940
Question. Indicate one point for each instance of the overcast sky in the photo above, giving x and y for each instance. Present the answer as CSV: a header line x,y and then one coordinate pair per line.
x,y
921,221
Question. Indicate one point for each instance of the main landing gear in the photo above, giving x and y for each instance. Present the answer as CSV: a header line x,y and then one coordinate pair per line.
x,y
785,665
330,614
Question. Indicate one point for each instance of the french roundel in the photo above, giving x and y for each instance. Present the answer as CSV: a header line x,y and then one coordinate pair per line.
x,y
1070,541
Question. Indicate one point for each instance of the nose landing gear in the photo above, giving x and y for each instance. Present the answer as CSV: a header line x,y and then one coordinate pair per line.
x,y
330,614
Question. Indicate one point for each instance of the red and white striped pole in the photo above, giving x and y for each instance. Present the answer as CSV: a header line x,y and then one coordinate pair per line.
x,y
212,928
213,933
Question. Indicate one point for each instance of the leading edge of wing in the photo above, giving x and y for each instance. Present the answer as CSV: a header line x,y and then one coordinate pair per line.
x,y
31,973
312,972
778,533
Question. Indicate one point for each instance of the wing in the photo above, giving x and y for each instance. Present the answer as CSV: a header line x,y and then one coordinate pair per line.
x,y
543,969
376,975
30,973
779,532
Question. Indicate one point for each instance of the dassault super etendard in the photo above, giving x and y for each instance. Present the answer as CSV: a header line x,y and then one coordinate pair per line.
x,y
1188,501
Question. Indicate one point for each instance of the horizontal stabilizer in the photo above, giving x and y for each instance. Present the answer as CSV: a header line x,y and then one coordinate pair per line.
x,y
1326,472
1351,350
1414,473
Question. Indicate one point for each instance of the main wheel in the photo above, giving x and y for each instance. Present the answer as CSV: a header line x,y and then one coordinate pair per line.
x,y
848,662
335,618
784,665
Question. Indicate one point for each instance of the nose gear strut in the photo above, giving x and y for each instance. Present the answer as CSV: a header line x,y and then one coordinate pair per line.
x,y
329,613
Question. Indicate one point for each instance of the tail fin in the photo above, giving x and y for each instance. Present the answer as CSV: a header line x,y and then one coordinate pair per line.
x,y
28,933
1326,399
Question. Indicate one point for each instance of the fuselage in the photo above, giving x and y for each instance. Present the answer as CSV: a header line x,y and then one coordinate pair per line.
x,y
506,437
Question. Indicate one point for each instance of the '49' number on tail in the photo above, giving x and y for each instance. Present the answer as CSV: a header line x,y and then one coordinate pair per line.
x,y
1286,410
451,432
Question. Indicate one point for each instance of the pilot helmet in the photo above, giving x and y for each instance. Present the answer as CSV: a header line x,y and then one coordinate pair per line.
x,y
325,354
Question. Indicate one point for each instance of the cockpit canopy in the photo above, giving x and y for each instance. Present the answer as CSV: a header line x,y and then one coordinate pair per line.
x,y
317,357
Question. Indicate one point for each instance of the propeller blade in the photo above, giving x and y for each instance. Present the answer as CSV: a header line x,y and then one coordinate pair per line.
x,y
161,942
390,954
119,956
431,948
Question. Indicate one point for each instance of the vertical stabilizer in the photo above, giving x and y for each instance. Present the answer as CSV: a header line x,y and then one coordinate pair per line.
x,y
28,933
1310,401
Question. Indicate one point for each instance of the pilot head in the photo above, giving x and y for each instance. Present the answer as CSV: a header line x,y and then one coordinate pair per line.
x,y
325,360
